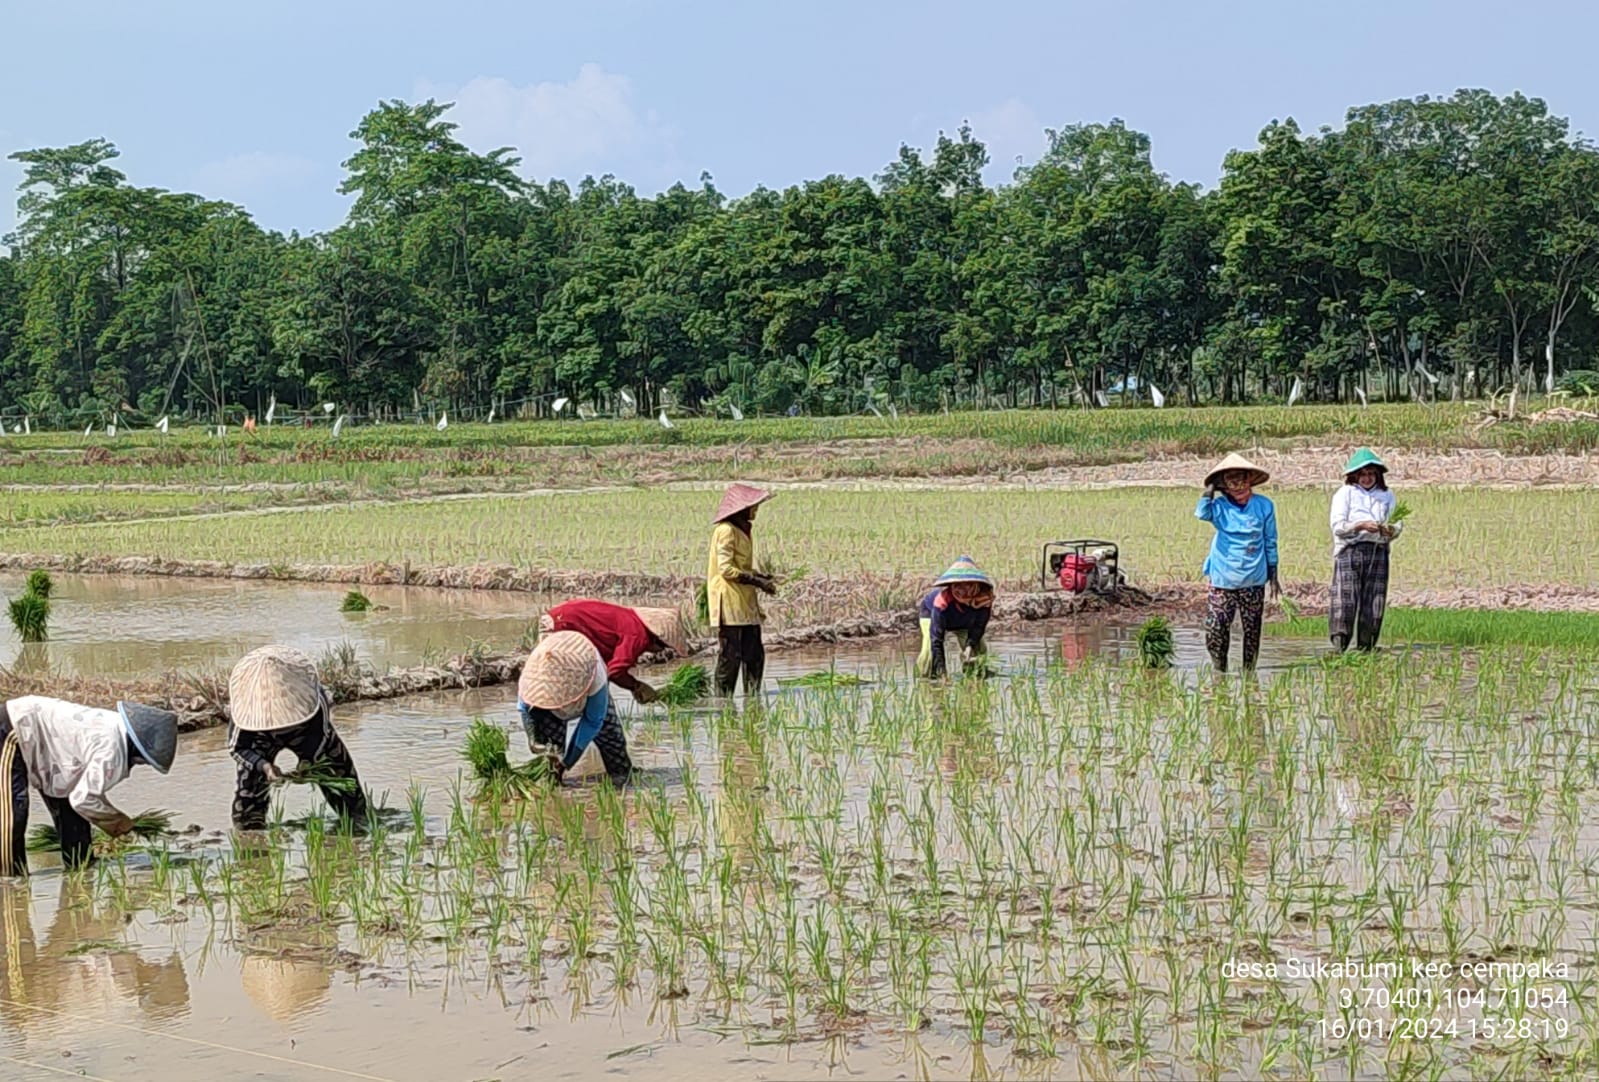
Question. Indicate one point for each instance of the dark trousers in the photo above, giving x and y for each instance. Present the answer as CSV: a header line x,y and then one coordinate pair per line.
x,y
543,727
77,842
1249,606
1359,595
313,742
739,647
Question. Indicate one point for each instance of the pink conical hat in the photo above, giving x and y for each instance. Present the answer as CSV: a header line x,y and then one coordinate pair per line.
x,y
737,498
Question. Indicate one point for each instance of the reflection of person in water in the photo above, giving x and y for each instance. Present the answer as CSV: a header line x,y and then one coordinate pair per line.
x,y
39,979
286,974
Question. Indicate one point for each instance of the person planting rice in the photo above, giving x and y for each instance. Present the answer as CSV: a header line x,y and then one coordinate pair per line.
x,y
1243,556
730,589
622,635
277,702
73,755
960,603
566,705
1362,532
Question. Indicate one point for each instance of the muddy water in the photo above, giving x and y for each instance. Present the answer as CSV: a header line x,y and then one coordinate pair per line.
x,y
130,627
181,1000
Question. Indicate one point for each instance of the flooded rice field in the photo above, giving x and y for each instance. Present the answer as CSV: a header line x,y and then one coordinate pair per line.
x,y
1078,869
127,627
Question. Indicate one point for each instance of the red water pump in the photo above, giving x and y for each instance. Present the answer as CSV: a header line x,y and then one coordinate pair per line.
x,y
1083,566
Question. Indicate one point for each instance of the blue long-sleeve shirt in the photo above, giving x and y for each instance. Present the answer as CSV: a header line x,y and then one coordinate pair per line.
x,y
1244,552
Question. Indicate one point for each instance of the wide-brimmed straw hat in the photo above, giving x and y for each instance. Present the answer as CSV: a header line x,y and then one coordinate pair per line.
x,y
1257,476
737,498
154,733
666,625
1363,458
274,687
559,671
964,569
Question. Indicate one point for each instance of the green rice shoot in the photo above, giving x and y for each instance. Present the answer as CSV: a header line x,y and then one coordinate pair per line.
x,y
1156,646
1468,627
688,684
355,601
486,752
320,775
1401,512
30,615
146,826
39,582
828,678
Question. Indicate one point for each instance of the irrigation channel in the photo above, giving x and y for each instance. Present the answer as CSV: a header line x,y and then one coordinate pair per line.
x,y
1040,875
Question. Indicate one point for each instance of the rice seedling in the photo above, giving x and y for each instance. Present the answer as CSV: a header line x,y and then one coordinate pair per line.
x,y
1400,512
30,615
486,752
319,775
826,679
688,684
147,826
1156,647
355,601
1468,627
40,583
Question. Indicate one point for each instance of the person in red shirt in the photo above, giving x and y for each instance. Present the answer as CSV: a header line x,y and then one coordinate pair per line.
x,y
622,635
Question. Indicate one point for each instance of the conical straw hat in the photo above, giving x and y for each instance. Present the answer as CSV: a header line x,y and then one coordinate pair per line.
x,y
964,569
666,625
558,671
737,498
1238,462
275,687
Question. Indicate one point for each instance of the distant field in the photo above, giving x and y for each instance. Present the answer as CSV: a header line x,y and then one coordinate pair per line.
x,y
1457,537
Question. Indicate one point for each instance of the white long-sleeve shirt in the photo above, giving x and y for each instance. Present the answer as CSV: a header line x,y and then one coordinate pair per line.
x,y
1352,504
73,752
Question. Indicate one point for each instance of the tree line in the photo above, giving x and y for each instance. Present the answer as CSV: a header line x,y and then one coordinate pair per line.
x,y
1428,248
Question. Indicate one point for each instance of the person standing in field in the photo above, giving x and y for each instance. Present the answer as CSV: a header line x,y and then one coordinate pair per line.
x,y
565,701
1243,556
961,601
621,635
277,702
1361,535
73,755
731,584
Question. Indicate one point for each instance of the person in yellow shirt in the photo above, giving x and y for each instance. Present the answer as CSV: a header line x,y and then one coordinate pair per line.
x,y
732,589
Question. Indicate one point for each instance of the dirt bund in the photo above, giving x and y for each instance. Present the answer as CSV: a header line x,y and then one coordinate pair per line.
x,y
200,700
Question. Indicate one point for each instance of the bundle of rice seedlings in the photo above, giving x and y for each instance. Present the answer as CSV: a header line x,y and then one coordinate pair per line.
x,y
486,753
30,615
39,583
702,603
320,775
1401,512
1155,644
150,824
355,601
1290,609
687,685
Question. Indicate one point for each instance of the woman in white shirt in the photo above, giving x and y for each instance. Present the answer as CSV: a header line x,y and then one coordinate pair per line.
x,y
1361,535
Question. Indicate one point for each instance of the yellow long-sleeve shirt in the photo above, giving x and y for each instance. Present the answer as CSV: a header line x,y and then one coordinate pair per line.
x,y
731,602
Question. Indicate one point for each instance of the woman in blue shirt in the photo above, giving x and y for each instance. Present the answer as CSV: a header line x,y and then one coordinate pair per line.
x,y
1243,556
960,603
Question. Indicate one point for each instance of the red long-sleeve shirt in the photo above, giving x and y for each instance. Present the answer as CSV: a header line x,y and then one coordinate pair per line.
x,y
615,630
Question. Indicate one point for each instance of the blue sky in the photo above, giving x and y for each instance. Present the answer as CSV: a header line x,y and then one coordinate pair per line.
x,y
253,102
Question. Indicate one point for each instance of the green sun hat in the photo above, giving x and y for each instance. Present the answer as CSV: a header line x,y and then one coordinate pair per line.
x,y
1363,458
964,569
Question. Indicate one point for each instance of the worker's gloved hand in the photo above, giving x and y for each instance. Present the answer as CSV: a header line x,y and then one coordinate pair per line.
x,y
765,584
1274,590
117,827
274,776
1210,492
645,694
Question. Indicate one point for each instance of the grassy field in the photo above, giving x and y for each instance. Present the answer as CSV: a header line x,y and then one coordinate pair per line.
x,y
1457,537
1469,627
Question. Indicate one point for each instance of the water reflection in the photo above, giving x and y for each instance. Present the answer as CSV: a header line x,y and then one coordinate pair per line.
x,y
82,965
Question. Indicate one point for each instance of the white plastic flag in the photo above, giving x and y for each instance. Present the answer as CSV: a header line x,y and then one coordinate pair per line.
x,y
222,432
162,425
1432,379
558,405
338,426
1156,397
874,409
491,415
1298,389
893,411
87,431
328,407
1099,396
1360,393
272,407
17,430
664,422
27,426
584,413
444,422
627,398
738,414
111,430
